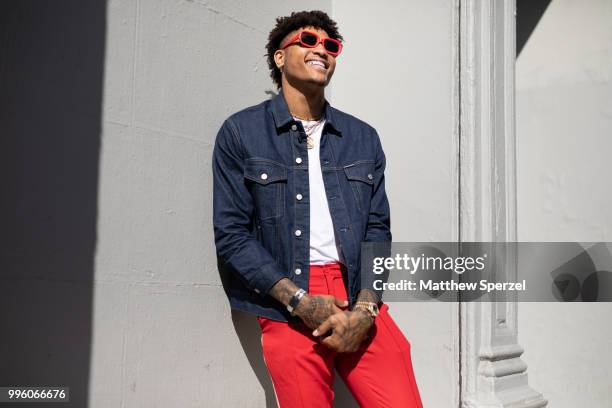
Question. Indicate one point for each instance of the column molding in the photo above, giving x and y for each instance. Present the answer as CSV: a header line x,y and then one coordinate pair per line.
x,y
492,372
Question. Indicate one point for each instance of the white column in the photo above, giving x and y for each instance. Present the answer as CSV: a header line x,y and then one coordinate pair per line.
x,y
492,372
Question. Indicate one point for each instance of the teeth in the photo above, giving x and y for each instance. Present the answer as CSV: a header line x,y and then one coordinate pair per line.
x,y
314,62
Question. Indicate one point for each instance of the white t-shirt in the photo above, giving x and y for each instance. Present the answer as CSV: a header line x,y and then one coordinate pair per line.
x,y
322,240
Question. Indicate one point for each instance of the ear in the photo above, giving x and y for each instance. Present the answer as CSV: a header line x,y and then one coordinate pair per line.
x,y
279,58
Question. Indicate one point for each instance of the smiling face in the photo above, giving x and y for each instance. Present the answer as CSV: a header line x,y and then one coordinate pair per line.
x,y
303,66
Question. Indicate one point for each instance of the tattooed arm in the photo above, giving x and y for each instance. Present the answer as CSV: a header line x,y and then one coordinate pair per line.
x,y
313,310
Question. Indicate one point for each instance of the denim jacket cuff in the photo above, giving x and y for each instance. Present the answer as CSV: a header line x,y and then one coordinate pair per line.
x,y
267,277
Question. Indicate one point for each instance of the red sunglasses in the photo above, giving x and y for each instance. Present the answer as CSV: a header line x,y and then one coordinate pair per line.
x,y
309,39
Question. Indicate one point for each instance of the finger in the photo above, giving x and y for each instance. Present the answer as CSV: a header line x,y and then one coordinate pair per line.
x,y
340,303
335,301
336,309
331,342
324,327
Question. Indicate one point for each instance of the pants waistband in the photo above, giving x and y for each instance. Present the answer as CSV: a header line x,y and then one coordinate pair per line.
x,y
333,268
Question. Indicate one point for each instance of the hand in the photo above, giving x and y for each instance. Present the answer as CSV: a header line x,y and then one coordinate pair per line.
x,y
314,310
349,330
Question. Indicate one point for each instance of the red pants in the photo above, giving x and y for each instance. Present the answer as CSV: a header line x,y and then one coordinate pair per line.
x,y
379,374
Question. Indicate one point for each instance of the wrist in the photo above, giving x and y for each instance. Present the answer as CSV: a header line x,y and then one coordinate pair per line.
x,y
369,308
368,295
303,305
295,300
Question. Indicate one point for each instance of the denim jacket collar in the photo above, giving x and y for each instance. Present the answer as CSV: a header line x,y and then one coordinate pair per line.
x,y
282,116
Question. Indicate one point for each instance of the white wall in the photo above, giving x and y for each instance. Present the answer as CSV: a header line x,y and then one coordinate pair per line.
x,y
564,128
396,73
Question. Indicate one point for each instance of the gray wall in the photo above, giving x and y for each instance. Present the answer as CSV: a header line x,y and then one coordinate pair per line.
x,y
150,83
564,124
163,333
165,96
111,112
404,88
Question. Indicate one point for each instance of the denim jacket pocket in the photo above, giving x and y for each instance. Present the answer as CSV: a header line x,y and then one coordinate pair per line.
x,y
360,175
267,181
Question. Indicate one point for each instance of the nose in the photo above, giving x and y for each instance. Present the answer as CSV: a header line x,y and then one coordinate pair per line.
x,y
320,50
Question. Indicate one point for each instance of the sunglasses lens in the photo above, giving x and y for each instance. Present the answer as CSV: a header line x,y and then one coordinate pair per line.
x,y
308,39
331,46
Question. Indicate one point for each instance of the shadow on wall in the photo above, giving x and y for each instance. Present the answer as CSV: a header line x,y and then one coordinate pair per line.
x,y
249,334
528,15
51,72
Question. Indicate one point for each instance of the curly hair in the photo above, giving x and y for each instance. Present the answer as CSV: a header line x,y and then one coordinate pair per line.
x,y
285,25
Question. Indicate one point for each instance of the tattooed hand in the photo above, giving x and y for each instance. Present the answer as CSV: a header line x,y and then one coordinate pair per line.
x,y
314,310
350,329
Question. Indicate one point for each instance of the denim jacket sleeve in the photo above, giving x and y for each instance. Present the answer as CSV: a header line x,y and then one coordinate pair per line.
x,y
379,220
233,210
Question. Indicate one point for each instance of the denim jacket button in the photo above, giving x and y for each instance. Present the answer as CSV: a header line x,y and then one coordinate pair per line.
x,y
264,176
298,271
294,127
298,160
298,197
298,233
370,177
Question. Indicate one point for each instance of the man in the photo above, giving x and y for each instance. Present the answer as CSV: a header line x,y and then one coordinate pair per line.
x,y
298,185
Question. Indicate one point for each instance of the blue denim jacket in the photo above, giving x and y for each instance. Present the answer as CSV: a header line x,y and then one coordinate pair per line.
x,y
261,224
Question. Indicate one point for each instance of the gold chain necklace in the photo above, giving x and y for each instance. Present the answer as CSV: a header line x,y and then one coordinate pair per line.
x,y
309,119
309,129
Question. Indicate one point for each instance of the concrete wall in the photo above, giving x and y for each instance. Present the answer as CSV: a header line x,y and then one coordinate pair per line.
x,y
112,112
564,123
165,96
404,88
108,115
163,333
